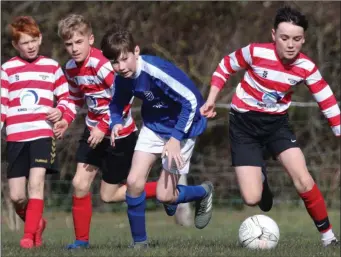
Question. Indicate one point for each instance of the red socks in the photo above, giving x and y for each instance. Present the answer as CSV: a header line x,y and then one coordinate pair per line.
x,y
316,208
34,213
82,213
150,190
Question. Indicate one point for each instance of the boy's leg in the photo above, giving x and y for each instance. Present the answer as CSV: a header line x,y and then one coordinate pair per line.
x,y
82,204
113,193
169,192
116,168
283,144
294,162
247,156
18,169
88,162
17,193
38,158
35,206
183,215
266,200
136,198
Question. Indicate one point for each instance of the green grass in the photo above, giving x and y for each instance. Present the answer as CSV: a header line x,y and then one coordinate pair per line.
x,y
110,236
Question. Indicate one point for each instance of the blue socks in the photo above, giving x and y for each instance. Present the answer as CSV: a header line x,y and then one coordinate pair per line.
x,y
190,193
137,217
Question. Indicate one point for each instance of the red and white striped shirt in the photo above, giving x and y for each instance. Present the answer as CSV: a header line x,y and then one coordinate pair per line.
x,y
93,83
28,91
268,84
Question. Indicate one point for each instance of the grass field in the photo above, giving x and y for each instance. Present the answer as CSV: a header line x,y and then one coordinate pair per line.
x,y
110,236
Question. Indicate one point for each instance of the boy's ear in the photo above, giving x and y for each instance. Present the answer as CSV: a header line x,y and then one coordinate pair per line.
x,y
40,38
15,45
273,35
137,51
91,39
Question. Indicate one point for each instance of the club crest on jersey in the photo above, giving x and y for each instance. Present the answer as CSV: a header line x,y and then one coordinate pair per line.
x,y
16,77
43,77
149,95
28,97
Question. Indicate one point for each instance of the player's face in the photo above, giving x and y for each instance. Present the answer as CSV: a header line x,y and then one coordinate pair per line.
x,y
79,46
28,46
289,39
126,64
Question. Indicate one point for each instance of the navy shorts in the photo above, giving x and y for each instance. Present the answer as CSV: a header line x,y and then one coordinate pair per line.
x,y
22,156
253,132
114,162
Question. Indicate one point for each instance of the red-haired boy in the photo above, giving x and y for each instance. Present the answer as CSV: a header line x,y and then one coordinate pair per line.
x,y
30,83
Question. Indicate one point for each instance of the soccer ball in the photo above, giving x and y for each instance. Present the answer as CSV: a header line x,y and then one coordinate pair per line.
x,y
259,232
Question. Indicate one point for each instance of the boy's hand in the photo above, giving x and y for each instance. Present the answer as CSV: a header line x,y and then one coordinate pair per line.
x,y
54,115
172,150
59,128
96,137
208,110
114,133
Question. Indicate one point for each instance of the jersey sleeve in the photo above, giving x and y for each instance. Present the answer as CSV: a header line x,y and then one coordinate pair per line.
x,y
105,74
61,90
188,101
121,100
230,64
75,100
325,98
4,96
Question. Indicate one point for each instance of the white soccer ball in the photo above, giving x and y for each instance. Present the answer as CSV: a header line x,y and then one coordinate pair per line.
x,y
259,232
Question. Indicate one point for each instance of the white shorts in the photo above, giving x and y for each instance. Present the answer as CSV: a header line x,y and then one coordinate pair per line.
x,y
150,142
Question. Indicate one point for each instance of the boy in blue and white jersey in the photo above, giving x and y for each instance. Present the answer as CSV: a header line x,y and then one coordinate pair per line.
x,y
171,122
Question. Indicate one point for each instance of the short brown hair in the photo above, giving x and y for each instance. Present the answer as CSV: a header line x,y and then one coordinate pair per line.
x,y
73,23
23,24
116,41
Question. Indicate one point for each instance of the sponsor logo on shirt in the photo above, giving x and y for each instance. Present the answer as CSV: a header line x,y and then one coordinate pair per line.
x,y
269,100
28,98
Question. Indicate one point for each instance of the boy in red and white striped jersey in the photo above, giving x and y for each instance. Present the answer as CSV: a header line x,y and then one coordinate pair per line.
x,y
259,112
91,80
30,83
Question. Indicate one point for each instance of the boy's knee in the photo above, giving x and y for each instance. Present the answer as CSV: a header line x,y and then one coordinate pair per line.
x,y
304,184
81,184
110,196
17,199
165,197
135,185
252,199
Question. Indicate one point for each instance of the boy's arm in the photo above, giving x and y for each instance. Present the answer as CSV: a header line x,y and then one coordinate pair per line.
x,y
106,75
230,64
61,91
183,95
325,98
122,97
75,101
4,96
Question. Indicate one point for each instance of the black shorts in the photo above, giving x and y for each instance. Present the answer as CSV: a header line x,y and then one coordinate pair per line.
x,y
253,132
22,156
114,162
